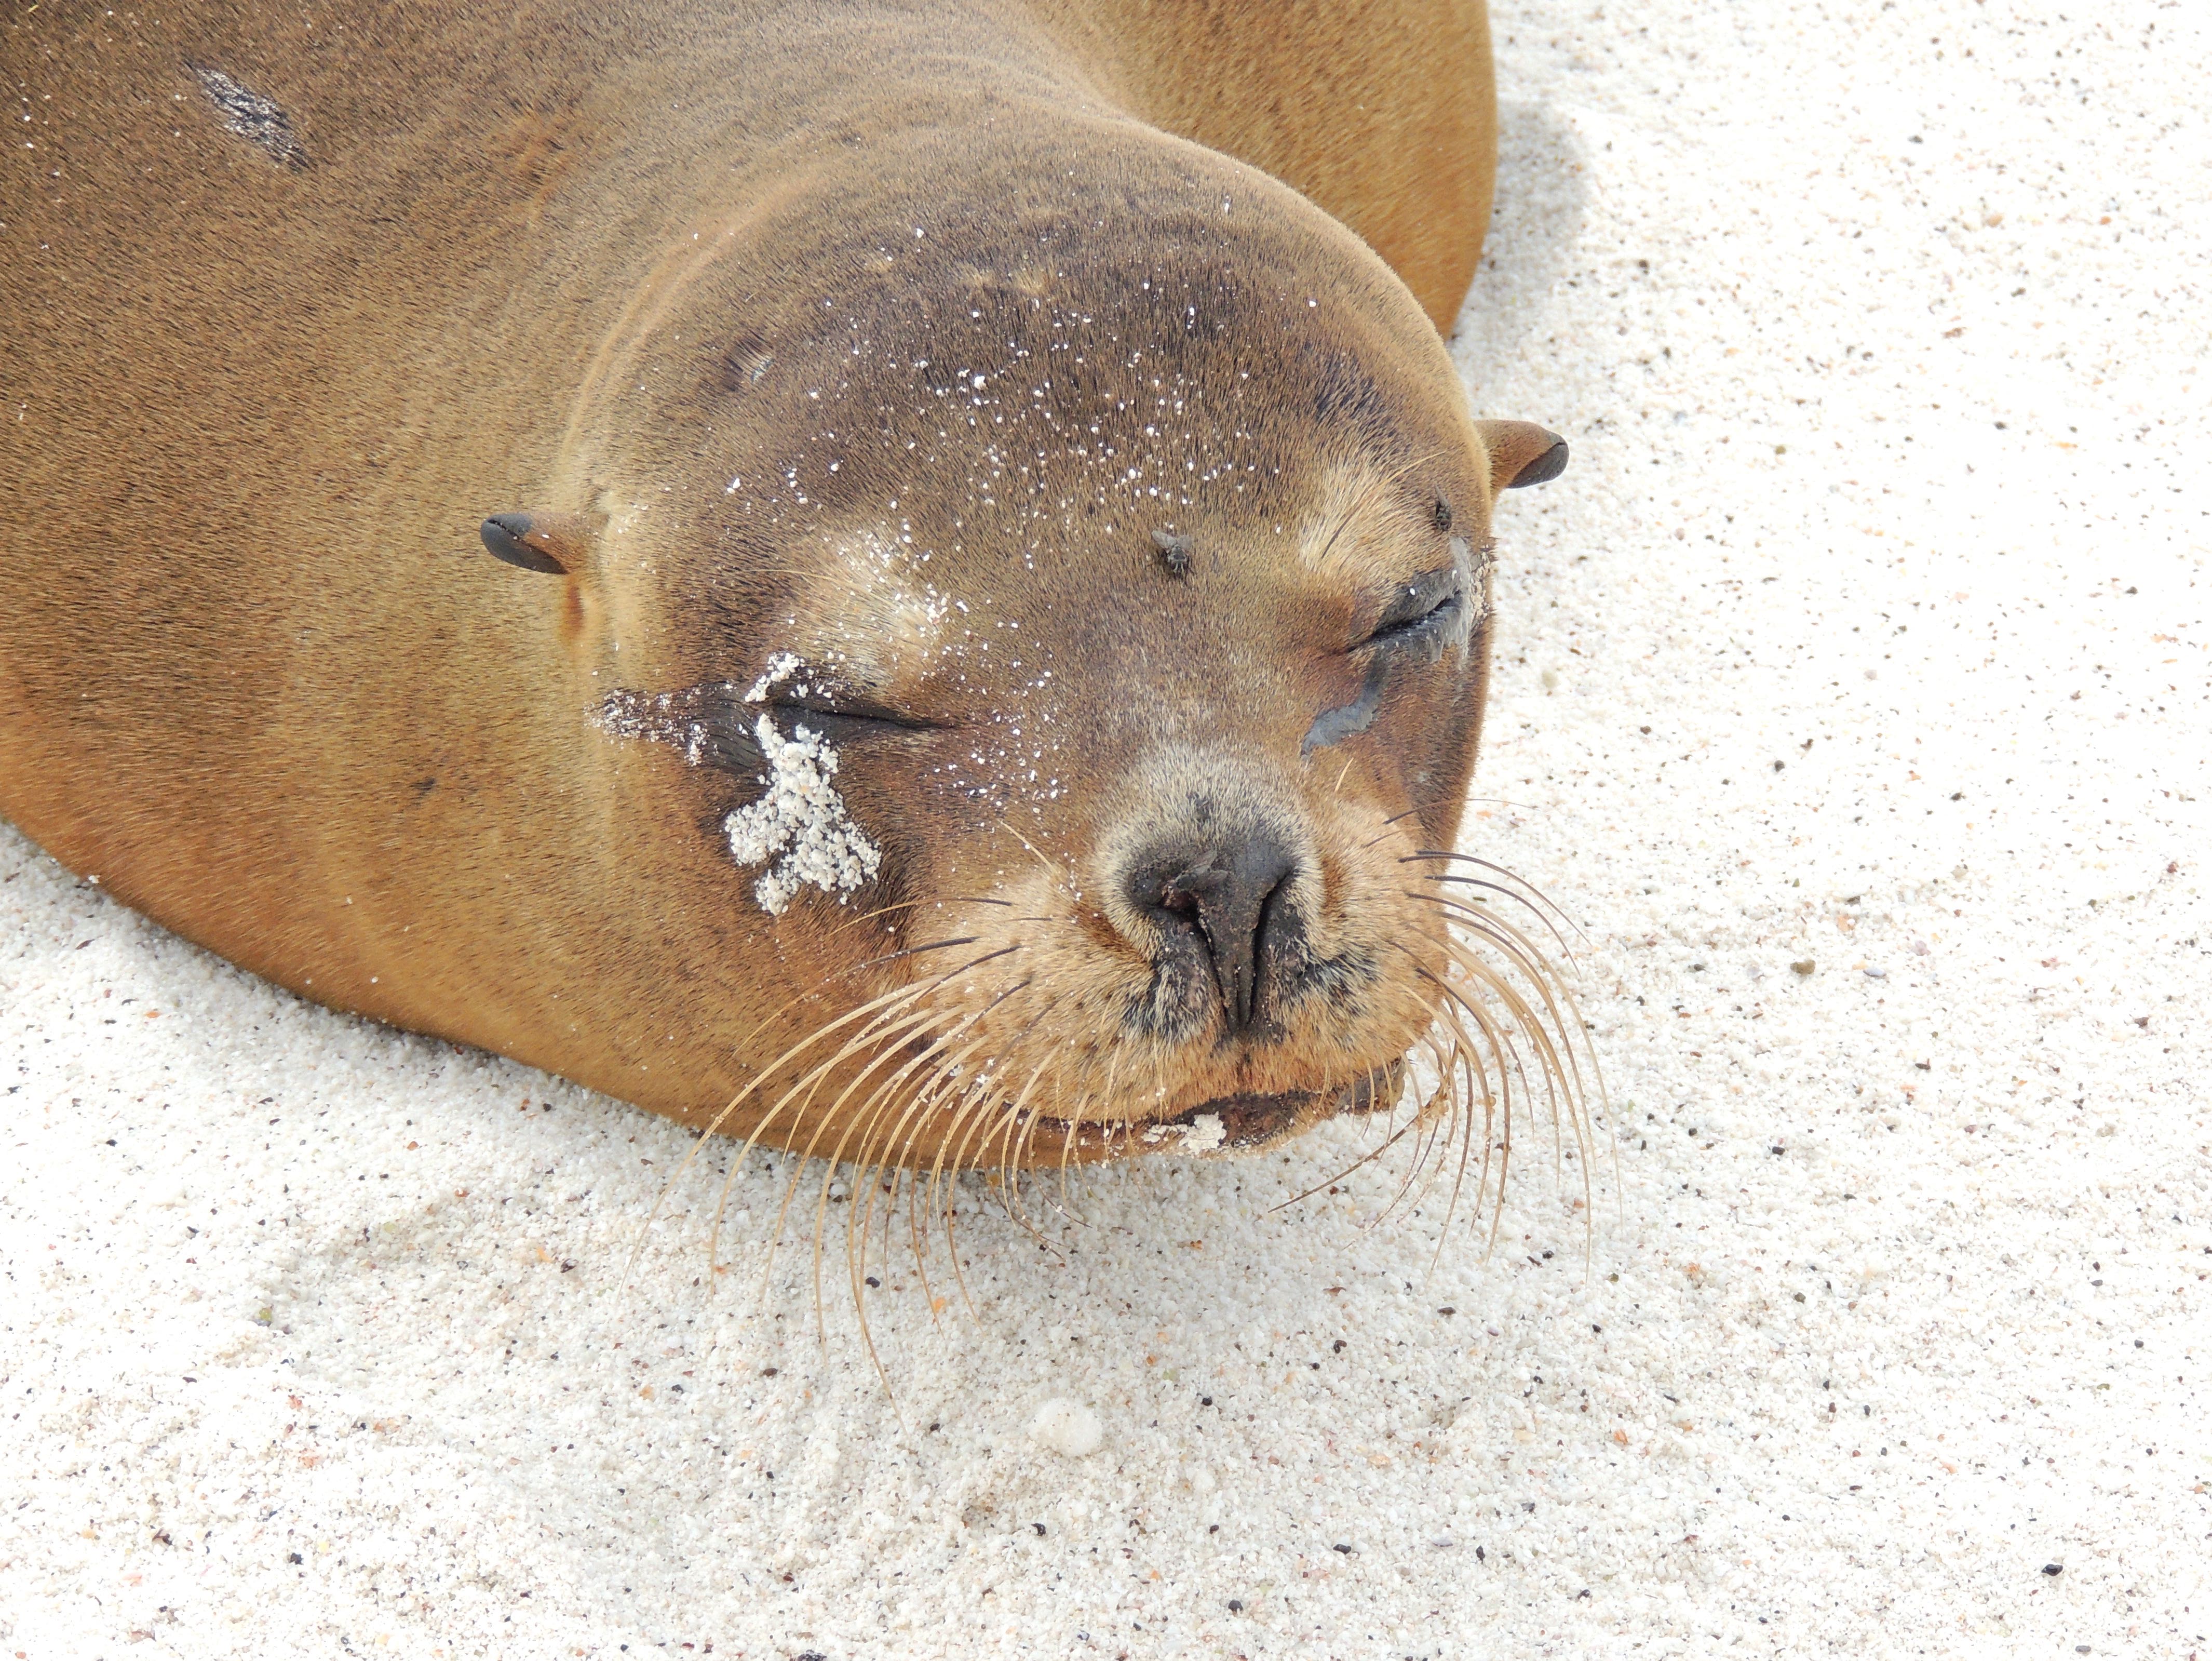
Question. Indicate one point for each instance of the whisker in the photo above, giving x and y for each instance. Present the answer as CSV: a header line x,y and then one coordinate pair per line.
x,y
1525,956
890,1024
1421,1127
1432,801
1566,1016
864,1162
928,1101
1390,1140
1383,833
1461,1055
872,1006
1559,1000
1367,1157
1068,1141
904,953
1521,887
945,1064
1057,872
1476,911
1496,1107
1503,1051
822,1126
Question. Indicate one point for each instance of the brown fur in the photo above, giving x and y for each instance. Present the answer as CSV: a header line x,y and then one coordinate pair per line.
x,y
645,272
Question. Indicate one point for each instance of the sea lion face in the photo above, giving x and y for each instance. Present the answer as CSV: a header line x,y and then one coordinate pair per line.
x,y
1116,643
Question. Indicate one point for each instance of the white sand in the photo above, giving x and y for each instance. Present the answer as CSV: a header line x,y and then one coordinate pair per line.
x,y
798,828
1880,336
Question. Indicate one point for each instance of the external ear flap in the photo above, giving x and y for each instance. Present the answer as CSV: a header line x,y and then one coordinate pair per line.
x,y
1522,453
552,543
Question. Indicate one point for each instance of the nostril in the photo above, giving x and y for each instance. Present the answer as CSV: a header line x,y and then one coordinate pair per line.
x,y
1182,906
1187,888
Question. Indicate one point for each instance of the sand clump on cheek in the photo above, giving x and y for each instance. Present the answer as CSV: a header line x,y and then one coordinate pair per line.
x,y
799,829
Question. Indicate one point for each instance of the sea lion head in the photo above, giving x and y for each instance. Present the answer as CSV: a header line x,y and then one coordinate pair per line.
x,y
1094,621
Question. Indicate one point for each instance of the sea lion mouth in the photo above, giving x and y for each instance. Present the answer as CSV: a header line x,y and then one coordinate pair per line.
x,y
1237,1123
1246,1121
1241,1123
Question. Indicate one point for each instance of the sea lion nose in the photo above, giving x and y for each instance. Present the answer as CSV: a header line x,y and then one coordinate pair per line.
x,y
1222,899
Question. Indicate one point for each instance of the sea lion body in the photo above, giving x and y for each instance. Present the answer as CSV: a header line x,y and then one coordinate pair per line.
x,y
851,368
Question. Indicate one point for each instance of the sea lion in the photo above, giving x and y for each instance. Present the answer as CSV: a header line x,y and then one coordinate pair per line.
x,y
993,598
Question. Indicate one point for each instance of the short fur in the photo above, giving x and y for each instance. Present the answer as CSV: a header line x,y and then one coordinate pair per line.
x,y
886,335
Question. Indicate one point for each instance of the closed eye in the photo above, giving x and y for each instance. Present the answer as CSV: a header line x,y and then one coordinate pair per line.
x,y
848,708
1423,610
1436,620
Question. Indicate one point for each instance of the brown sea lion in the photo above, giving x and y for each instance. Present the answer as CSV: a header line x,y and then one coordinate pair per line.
x,y
1004,611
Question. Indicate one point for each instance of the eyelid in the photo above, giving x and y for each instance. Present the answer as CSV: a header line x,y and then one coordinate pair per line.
x,y
1411,627
852,707
1419,602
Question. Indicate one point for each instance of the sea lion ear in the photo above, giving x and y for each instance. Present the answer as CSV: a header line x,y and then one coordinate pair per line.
x,y
1522,453
552,543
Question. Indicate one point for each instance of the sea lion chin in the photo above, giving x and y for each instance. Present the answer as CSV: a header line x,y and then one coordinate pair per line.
x,y
915,605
